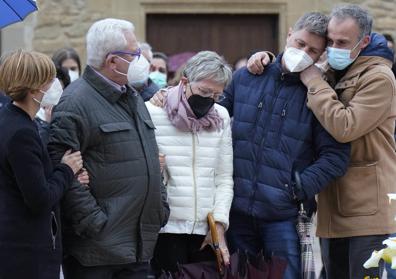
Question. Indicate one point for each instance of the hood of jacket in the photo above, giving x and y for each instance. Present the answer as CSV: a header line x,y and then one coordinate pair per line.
x,y
378,47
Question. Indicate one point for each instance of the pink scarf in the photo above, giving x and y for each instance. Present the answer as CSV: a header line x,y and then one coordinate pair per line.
x,y
183,118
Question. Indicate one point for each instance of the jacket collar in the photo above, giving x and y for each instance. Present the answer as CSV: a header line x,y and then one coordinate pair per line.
x,y
287,76
109,92
360,65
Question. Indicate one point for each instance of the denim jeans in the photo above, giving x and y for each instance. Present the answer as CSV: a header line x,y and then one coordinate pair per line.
x,y
252,235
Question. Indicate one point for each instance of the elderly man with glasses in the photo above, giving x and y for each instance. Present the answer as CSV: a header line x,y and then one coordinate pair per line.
x,y
110,227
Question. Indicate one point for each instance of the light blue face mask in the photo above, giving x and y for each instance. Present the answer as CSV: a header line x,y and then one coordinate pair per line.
x,y
339,58
158,78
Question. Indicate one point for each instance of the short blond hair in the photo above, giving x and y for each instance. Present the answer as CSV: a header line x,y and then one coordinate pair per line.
x,y
22,71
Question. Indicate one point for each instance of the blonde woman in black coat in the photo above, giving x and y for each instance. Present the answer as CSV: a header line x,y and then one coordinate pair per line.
x,y
30,187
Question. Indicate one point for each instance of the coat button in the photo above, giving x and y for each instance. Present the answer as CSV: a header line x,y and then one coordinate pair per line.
x,y
312,89
287,185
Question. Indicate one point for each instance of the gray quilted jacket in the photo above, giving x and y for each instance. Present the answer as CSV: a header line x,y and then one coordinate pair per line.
x,y
117,218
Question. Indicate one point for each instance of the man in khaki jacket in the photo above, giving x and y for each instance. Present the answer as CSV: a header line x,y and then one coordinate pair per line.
x,y
356,104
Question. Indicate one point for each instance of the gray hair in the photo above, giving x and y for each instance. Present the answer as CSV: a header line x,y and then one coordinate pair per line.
x,y
315,23
105,36
360,15
146,49
208,65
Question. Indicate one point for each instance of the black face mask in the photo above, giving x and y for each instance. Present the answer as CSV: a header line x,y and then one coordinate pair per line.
x,y
200,105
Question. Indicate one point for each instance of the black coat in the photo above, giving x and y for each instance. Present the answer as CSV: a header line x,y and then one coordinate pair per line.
x,y
3,100
30,190
117,219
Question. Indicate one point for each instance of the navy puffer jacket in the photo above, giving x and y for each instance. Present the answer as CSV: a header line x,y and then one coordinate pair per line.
x,y
274,135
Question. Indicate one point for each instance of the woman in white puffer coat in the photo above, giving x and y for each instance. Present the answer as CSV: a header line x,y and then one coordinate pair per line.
x,y
194,134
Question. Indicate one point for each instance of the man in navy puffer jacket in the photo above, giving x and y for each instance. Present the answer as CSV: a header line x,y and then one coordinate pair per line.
x,y
275,135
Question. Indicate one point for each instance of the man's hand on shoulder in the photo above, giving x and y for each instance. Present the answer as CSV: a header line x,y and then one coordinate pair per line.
x,y
258,61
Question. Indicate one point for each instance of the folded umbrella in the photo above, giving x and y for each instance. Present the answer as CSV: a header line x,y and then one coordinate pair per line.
x,y
306,235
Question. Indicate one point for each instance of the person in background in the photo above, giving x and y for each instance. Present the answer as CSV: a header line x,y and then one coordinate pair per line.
x,y
199,170
63,75
391,273
30,186
110,228
147,51
159,69
147,88
240,63
391,45
69,59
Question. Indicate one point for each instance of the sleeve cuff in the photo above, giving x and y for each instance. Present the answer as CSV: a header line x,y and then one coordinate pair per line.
x,y
316,85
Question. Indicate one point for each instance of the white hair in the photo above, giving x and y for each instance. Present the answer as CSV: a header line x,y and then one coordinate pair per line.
x,y
105,36
146,50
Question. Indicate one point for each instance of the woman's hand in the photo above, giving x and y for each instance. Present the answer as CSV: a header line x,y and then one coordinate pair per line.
x,y
159,98
225,254
48,113
83,177
162,161
73,160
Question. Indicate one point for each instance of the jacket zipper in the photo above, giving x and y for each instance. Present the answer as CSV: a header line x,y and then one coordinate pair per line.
x,y
283,116
194,184
278,86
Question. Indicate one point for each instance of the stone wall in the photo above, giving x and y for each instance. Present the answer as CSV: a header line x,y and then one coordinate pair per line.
x,y
63,23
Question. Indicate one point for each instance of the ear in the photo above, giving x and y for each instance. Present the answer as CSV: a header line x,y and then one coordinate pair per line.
x,y
366,41
110,62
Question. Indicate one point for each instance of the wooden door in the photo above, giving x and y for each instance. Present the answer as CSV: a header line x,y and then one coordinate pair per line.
x,y
231,35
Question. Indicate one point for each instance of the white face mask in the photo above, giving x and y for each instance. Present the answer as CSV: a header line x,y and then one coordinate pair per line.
x,y
73,75
52,95
296,60
138,71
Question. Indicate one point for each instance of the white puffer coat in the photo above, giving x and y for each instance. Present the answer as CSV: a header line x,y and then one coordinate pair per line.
x,y
199,169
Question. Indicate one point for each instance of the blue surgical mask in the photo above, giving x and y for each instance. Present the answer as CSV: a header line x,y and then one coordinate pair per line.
x,y
339,58
158,78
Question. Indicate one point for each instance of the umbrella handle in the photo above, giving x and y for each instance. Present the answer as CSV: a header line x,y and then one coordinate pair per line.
x,y
215,242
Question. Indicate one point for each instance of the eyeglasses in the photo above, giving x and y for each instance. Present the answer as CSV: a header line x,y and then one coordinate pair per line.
x,y
218,97
136,53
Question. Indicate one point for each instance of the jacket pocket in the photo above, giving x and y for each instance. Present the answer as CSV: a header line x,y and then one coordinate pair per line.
x,y
115,127
358,190
116,140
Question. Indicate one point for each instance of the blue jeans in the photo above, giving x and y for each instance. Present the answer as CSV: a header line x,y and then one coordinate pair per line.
x,y
252,235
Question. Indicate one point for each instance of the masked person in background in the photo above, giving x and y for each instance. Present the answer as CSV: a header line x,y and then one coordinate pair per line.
x,y
68,59
148,88
110,228
159,69
194,134
30,186
275,135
